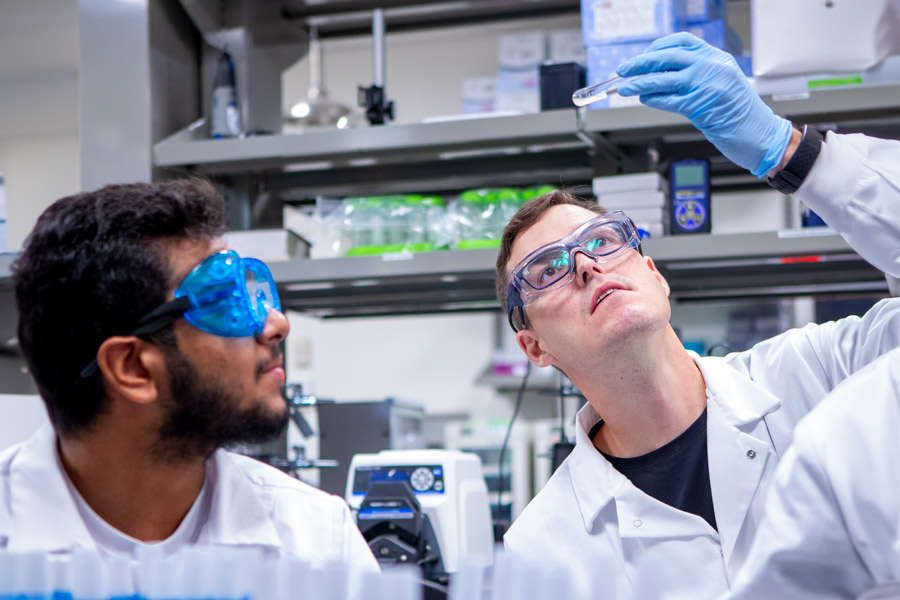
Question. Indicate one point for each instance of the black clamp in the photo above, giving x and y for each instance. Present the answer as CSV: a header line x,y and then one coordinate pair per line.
x,y
378,107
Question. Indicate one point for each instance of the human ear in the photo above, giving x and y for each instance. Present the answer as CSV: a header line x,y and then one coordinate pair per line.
x,y
657,274
131,367
531,346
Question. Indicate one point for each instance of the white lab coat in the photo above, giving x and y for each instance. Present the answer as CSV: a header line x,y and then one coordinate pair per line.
x,y
619,541
832,519
253,505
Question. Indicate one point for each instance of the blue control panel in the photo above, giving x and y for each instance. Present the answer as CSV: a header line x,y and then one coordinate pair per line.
x,y
690,202
423,479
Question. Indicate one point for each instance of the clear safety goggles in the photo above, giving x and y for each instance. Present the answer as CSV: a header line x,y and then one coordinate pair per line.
x,y
551,267
225,295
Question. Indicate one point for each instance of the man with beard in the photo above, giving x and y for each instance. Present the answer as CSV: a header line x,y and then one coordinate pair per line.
x,y
153,346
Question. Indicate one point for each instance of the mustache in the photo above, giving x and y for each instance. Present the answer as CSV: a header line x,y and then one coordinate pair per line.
x,y
276,353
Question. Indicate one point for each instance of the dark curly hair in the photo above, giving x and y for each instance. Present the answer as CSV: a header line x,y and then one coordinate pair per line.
x,y
94,264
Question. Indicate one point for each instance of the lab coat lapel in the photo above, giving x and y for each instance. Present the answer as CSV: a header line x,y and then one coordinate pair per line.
x,y
594,480
44,514
240,514
739,449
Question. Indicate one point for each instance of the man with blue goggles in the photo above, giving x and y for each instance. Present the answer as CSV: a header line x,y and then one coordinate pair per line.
x,y
225,295
183,340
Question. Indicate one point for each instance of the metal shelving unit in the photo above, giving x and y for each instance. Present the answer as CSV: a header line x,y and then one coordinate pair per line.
x,y
745,265
503,150
565,146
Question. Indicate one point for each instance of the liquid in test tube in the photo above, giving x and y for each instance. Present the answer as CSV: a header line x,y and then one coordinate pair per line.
x,y
600,91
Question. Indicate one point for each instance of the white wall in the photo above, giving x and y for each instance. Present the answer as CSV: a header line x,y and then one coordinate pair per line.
x,y
429,360
22,415
38,107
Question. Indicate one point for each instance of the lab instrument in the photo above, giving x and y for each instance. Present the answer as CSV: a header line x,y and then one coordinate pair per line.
x,y
424,507
690,205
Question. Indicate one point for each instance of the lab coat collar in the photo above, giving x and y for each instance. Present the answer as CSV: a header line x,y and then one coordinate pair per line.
x,y
241,511
43,511
46,518
596,482
739,399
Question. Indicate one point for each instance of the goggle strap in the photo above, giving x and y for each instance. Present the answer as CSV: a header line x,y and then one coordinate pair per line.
x,y
161,316
152,322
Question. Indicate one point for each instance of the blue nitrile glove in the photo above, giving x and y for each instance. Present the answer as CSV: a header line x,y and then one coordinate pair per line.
x,y
704,84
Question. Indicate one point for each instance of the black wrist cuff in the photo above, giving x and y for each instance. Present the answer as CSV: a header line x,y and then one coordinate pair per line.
x,y
794,173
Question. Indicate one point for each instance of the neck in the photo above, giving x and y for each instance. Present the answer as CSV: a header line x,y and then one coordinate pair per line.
x,y
647,395
126,485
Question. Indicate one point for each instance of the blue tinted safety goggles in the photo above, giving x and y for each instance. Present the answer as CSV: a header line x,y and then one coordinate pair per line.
x,y
551,267
225,295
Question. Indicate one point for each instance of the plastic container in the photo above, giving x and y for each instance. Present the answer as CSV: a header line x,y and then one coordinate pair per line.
x,y
481,215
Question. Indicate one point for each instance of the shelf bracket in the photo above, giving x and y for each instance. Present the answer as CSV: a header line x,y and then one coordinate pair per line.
x,y
596,142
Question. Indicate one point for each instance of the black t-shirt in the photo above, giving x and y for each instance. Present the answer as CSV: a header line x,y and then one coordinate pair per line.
x,y
677,473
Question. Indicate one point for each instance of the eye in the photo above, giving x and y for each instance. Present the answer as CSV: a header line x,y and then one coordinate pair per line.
x,y
596,244
551,271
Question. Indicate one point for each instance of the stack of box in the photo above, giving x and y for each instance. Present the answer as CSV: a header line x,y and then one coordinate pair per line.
x,y
641,195
479,95
614,31
518,83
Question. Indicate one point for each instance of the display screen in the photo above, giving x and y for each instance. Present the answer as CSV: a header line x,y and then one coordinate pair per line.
x,y
424,479
690,176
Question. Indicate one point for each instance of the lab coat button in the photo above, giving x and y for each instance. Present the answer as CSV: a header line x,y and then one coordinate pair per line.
x,y
751,454
637,523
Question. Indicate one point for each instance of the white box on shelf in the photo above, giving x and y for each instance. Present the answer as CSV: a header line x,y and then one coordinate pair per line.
x,y
630,200
748,212
519,90
566,45
522,50
267,244
479,94
646,215
633,182
615,21
841,36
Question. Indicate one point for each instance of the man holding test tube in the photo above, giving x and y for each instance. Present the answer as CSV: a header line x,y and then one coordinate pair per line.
x,y
674,453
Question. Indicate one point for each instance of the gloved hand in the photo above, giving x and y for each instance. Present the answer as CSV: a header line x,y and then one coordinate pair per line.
x,y
691,78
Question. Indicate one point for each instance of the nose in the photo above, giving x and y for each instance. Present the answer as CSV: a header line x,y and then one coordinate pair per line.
x,y
585,265
275,329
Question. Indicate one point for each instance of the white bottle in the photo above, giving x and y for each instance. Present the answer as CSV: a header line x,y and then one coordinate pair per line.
x,y
226,118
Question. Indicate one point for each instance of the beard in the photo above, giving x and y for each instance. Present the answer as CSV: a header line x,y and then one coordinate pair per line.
x,y
204,416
